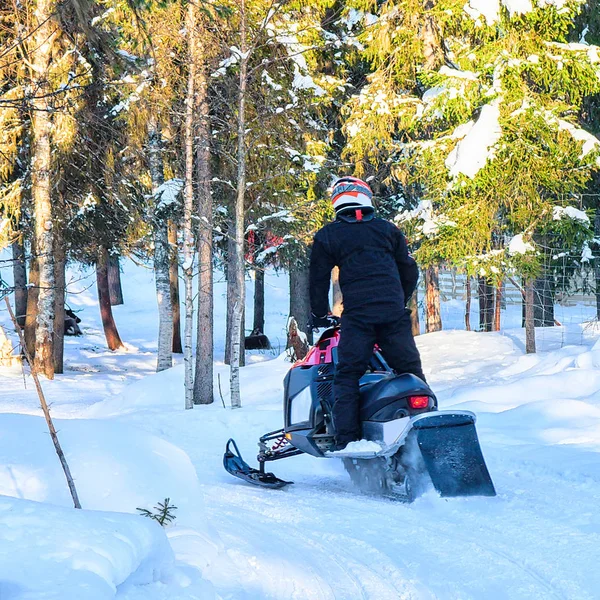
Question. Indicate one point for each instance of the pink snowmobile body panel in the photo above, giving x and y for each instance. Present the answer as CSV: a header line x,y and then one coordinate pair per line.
x,y
322,352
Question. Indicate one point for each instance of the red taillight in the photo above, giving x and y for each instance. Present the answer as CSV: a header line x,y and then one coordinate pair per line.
x,y
418,401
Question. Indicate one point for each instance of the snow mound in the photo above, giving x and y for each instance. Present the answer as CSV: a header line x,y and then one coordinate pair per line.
x,y
115,467
165,389
54,553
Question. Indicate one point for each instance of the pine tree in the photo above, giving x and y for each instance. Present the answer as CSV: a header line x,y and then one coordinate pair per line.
x,y
488,138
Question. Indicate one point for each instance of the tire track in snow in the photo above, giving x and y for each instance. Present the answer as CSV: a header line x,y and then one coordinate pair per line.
x,y
333,535
325,556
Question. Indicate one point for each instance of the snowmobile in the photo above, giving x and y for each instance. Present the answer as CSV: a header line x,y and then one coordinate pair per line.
x,y
419,443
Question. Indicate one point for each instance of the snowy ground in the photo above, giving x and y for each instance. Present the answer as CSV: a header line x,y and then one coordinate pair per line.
x,y
539,425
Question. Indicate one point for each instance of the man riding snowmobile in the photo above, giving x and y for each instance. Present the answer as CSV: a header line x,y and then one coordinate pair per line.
x,y
377,278
365,379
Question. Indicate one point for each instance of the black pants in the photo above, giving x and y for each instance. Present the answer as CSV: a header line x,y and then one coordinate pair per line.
x,y
359,335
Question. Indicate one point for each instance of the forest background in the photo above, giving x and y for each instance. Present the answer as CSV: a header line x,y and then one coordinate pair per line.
x,y
204,135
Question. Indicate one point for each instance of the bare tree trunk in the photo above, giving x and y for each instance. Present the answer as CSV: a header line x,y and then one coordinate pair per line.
x,y
297,344
111,333
32,303
413,306
498,307
162,254
300,299
259,300
529,317
237,273
20,281
543,315
46,411
203,376
41,185
597,264
486,304
231,285
338,300
114,281
174,278
468,304
433,317
59,304
188,207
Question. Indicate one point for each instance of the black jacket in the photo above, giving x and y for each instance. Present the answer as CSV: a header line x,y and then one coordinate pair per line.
x,y
377,274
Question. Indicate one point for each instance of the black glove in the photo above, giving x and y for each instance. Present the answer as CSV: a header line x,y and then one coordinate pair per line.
x,y
326,321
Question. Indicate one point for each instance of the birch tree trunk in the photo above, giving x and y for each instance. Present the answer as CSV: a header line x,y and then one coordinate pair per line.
x,y
59,305
203,376
162,254
20,282
114,281
41,165
188,206
529,317
433,317
238,289
174,278
231,295
258,323
498,307
113,340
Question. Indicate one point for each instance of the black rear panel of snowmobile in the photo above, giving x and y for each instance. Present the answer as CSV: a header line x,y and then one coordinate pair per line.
x,y
452,454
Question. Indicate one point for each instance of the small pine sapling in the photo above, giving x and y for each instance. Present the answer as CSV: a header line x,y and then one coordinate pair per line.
x,y
164,515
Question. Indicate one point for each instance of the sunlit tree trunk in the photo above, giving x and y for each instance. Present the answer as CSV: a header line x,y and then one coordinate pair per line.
x,y
413,307
41,184
433,317
498,307
338,299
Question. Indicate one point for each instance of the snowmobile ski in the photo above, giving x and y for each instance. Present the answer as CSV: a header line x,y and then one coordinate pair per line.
x,y
452,454
238,467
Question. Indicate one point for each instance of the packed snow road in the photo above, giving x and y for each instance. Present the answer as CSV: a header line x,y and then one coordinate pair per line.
x,y
539,425
320,538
